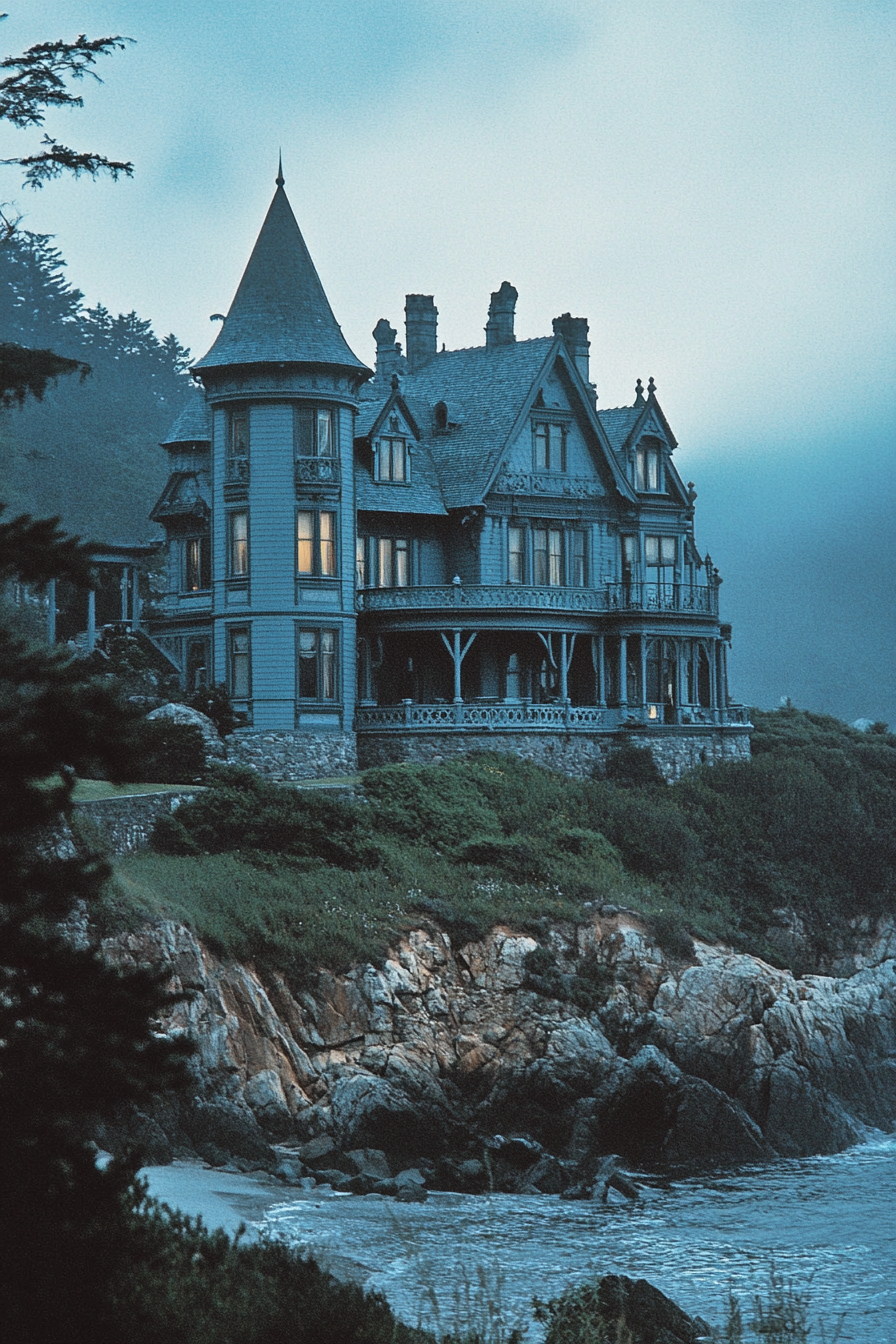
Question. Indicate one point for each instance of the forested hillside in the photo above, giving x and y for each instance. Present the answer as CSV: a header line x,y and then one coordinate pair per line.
x,y
89,452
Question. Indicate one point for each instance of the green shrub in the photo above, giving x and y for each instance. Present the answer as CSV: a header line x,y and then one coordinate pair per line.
x,y
634,767
162,752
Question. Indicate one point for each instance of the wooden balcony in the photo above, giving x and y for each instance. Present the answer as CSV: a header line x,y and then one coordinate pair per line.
x,y
452,599
523,716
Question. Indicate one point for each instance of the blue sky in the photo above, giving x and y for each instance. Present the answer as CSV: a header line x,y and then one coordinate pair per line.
x,y
710,182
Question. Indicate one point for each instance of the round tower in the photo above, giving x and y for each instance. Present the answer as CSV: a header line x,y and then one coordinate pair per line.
x,y
282,386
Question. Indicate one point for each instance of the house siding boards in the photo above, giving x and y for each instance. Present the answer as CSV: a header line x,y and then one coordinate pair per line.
x,y
559,640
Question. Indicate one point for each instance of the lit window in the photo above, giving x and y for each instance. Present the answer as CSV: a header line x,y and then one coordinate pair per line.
x,y
516,555
647,468
361,561
549,446
197,564
238,663
314,435
238,544
316,665
316,542
392,460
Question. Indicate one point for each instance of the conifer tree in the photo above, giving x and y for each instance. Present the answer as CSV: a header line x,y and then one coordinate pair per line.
x,y
76,1038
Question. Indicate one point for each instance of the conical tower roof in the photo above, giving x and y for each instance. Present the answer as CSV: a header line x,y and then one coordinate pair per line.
x,y
280,313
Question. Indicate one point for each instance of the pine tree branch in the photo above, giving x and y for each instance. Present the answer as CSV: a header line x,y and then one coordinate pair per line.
x,y
25,372
37,77
57,159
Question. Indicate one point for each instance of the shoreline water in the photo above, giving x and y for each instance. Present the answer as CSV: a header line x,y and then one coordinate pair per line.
x,y
825,1222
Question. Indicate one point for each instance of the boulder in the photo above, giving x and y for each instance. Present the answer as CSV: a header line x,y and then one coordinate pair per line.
x,y
215,750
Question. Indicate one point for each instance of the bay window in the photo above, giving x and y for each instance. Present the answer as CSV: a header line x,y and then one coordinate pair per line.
x,y
238,544
316,542
316,664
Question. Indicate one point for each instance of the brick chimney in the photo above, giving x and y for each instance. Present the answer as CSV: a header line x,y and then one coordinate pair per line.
x,y
421,318
389,359
499,328
574,331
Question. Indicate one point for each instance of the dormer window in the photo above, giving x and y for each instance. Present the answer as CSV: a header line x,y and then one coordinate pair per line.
x,y
647,467
392,460
549,446
441,417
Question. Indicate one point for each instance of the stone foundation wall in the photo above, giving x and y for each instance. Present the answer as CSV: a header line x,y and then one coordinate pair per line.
x,y
278,755
580,755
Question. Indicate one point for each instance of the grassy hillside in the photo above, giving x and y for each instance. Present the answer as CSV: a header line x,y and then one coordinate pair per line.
x,y
296,878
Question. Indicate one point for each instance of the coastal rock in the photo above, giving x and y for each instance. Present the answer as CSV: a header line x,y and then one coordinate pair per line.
x,y
215,750
726,1060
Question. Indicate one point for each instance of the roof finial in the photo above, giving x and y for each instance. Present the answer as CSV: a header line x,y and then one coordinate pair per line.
x,y
280,179
639,392
651,387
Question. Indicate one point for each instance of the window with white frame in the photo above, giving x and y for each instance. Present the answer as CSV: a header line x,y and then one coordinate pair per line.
x,y
197,569
659,559
393,562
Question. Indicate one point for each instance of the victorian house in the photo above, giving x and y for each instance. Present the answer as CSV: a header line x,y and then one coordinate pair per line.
x,y
453,552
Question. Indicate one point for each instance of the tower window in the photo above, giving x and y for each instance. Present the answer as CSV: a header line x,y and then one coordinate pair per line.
x,y
197,564
314,432
238,544
316,659
239,663
316,542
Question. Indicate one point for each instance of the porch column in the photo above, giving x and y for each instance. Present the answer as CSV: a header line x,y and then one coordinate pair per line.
x,y
723,674
680,673
597,661
91,620
623,671
564,691
644,672
456,655
124,583
51,612
714,677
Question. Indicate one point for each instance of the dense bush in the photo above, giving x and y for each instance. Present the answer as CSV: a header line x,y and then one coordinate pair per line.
x,y
808,824
181,1284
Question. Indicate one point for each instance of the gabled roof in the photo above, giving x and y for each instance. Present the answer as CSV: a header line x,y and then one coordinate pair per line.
x,y
618,422
194,424
280,312
422,493
495,387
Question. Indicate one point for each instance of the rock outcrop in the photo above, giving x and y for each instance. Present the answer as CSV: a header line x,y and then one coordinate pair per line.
x,y
445,1059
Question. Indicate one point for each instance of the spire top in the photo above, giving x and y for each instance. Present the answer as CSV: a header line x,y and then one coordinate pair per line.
x,y
280,179
651,387
639,392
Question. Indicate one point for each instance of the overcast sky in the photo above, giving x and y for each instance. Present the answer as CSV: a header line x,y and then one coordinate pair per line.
x,y
709,182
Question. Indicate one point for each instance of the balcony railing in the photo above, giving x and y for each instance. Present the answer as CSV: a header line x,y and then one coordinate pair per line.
x,y
317,471
236,471
525,717
611,597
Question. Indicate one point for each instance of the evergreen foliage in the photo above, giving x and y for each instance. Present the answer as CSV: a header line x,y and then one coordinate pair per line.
x,y
75,1034
88,451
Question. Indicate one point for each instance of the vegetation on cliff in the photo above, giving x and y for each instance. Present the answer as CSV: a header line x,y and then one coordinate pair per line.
x,y
802,836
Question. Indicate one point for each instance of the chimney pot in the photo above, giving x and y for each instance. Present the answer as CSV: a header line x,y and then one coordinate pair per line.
x,y
574,331
501,310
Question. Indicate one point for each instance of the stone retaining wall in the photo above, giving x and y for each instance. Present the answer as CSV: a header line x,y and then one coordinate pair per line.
x,y
279,755
576,754
125,823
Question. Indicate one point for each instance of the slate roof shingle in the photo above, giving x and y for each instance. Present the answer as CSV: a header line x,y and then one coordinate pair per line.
x,y
618,422
194,424
280,312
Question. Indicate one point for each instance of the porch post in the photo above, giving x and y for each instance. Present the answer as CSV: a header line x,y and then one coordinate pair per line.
x,y
564,692
714,678
680,669
51,612
644,672
455,654
91,620
597,659
723,676
124,592
623,671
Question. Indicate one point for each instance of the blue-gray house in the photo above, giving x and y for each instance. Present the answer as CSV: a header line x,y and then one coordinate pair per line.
x,y
455,551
